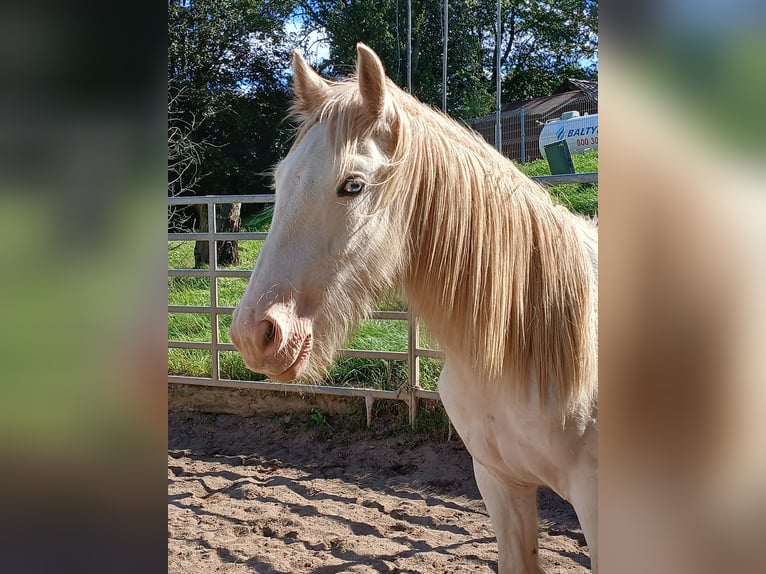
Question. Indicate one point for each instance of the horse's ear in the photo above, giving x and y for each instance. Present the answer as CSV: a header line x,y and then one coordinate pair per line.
x,y
372,79
309,87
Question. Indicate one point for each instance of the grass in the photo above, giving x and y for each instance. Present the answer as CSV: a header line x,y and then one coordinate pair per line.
x,y
578,197
390,419
260,221
372,334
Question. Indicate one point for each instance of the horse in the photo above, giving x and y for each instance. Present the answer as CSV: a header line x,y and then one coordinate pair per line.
x,y
379,190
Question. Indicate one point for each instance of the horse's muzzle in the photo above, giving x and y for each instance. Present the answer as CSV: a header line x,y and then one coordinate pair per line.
x,y
272,341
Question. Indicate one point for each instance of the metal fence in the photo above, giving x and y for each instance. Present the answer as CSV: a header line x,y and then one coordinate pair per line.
x,y
409,393
521,127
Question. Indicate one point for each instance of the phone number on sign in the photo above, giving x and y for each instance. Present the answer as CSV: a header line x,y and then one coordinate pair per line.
x,y
587,141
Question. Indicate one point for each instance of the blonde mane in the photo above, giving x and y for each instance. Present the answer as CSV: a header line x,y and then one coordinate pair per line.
x,y
499,272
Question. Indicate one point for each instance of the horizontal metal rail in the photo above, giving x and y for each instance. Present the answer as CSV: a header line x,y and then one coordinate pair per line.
x,y
231,273
430,353
390,315
588,177
232,236
201,345
200,309
346,353
293,387
208,199
306,389
207,309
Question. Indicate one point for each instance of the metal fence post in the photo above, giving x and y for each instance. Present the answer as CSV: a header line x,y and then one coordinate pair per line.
x,y
213,264
409,46
445,30
498,96
413,364
523,139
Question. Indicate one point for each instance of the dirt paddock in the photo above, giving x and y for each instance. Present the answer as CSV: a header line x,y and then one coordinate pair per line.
x,y
268,495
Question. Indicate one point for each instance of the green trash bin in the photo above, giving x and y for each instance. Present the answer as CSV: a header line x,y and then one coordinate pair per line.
x,y
559,158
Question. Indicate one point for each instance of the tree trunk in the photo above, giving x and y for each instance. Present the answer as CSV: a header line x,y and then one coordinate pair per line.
x,y
228,221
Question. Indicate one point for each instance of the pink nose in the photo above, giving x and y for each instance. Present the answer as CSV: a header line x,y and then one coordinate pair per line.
x,y
258,336
267,337
272,341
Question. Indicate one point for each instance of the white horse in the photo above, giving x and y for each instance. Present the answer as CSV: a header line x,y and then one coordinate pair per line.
x,y
380,190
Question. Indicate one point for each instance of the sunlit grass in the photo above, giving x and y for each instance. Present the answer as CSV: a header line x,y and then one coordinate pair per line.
x,y
578,197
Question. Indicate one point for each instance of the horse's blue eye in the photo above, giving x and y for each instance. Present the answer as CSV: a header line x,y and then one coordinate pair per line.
x,y
351,187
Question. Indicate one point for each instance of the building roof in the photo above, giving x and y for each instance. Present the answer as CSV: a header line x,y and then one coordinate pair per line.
x,y
587,87
571,90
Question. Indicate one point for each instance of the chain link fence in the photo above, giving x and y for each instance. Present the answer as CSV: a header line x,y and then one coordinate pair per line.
x,y
521,126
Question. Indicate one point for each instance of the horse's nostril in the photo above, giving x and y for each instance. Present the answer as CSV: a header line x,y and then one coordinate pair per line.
x,y
269,336
269,333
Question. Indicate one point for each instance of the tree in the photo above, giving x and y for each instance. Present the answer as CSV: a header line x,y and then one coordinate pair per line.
x,y
229,58
382,24
543,42
184,158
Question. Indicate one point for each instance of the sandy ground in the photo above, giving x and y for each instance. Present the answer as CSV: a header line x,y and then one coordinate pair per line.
x,y
269,495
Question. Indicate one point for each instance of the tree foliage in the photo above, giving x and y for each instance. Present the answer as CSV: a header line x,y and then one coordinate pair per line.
x,y
183,158
228,58
543,42
226,76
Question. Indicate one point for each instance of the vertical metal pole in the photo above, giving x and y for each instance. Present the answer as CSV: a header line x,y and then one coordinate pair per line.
x,y
498,131
213,263
413,363
523,139
409,46
369,402
445,32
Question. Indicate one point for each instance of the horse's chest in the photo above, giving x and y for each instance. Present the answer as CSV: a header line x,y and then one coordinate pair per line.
x,y
515,441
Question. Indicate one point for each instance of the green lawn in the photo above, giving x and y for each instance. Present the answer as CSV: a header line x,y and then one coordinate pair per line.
x,y
579,197
372,334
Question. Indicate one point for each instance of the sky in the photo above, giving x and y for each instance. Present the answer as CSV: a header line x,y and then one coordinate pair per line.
x,y
316,47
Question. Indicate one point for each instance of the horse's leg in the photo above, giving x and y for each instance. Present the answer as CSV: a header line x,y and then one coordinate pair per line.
x,y
513,510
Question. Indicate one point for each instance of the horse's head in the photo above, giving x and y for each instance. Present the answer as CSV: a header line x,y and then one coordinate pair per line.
x,y
336,242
